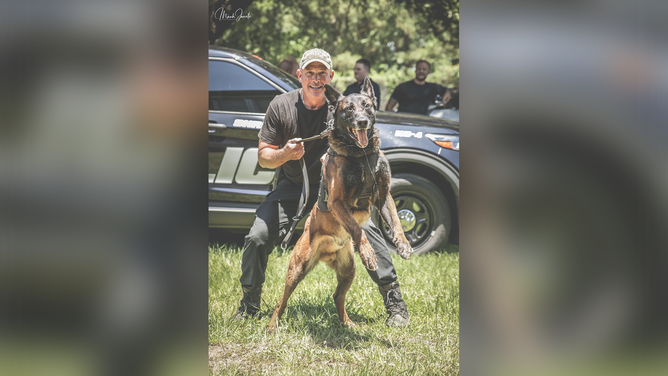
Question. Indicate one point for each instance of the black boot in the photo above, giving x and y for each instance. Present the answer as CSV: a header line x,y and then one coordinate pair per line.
x,y
250,304
395,305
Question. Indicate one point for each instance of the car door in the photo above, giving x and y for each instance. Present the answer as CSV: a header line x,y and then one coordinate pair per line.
x,y
238,100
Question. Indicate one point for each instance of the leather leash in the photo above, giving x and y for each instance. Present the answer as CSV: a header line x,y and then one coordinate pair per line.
x,y
303,200
323,134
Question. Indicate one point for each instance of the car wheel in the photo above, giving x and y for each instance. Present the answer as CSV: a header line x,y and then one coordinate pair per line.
x,y
423,211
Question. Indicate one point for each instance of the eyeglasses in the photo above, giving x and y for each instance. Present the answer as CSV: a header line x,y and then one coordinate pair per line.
x,y
321,75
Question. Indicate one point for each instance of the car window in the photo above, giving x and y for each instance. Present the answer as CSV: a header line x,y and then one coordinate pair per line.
x,y
281,74
234,88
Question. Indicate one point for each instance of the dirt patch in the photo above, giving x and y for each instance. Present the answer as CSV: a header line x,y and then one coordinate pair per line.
x,y
241,357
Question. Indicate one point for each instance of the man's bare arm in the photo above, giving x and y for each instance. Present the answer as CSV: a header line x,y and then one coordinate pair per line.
x,y
271,156
390,104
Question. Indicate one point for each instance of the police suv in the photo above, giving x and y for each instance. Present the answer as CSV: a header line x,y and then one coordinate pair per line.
x,y
423,153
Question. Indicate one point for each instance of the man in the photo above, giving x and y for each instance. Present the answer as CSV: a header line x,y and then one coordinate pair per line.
x,y
362,68
289,65
290,117
416,95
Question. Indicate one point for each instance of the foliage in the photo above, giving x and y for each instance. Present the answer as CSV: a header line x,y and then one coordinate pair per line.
x,y
392,34
309,338
440,17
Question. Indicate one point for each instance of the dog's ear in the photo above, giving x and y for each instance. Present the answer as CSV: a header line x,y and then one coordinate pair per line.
x,y
367,90
332,95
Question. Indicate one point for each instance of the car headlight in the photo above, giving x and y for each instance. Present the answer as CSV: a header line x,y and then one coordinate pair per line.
x,y
447,141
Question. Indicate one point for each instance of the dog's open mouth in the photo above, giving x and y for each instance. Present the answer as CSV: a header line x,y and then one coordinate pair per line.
x,y
360,136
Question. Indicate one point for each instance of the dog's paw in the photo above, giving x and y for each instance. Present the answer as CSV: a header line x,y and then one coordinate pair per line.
x,y
371,264
271,327
404,250
369,258
349,324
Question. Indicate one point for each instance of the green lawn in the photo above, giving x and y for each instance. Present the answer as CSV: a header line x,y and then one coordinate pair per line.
x,y
310,340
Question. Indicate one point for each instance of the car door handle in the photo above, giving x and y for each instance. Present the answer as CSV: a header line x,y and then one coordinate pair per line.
x,y
215,127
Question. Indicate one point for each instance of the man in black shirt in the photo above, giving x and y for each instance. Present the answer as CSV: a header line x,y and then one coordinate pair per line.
x,y
416,95
290,117
362,68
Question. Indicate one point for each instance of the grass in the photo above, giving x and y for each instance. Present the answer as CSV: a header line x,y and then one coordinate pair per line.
x,y
311,341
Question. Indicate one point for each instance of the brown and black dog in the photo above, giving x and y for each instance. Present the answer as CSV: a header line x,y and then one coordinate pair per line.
x,y
355,176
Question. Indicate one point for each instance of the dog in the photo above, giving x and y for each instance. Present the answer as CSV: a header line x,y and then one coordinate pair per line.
x,y
355,176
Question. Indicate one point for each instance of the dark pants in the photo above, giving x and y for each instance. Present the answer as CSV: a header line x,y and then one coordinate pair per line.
x,y
273,220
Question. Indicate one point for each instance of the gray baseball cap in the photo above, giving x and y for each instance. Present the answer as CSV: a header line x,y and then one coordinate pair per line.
x,y
315,54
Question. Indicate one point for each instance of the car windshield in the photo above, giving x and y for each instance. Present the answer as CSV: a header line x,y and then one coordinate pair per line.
x,y
284,76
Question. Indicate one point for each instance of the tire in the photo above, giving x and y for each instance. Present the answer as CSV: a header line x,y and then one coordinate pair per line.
x,y
420,199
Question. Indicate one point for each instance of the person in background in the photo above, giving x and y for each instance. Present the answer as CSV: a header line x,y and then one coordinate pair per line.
x,y
362,68
289,65
416,95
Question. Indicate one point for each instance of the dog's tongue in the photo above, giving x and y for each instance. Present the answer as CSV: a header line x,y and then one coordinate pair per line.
x,y
361,137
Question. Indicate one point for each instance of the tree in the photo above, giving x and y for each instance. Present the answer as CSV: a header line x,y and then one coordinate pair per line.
x,y
441,17
378,29
392,34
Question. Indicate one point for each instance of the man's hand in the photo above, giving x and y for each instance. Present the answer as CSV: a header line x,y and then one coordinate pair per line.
x,y
270,156
294,149
446,97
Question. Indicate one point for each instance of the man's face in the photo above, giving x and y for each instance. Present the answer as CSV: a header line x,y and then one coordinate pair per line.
x,y
360,72
421,71
313,78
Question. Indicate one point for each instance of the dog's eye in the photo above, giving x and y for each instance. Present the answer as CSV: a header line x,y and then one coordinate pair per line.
x,y
350,107
366,105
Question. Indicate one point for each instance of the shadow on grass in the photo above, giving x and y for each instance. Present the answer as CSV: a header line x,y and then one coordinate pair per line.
x,y
236,240
448,249
321,322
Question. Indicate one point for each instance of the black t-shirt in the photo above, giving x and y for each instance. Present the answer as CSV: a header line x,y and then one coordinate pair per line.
x,y
416,98
356,88
288,118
